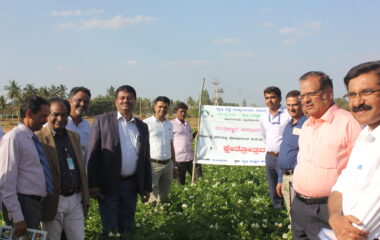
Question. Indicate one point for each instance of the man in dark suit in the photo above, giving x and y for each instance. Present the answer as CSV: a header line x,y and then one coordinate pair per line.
x,y
119,163
67,206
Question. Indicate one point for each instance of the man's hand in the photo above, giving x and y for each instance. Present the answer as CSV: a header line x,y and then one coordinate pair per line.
x,y
20,228
343,229
278,189
145,196
94,192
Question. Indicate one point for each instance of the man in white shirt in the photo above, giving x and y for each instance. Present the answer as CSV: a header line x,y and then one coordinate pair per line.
x,y
272,126
354,204
161,150
79,99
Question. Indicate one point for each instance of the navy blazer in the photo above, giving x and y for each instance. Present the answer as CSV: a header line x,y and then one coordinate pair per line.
x,y
104,156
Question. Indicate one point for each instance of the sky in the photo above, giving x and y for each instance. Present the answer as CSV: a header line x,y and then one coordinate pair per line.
x,y
169,47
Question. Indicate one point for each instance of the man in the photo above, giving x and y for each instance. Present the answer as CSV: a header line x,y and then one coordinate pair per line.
x,y
289,147
354,204
183,143
272,126
66,208
25,177
79,98
325,143
161,150
119,163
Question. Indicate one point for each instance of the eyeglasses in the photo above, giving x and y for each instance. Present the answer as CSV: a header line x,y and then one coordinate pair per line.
x,y
309,94
350,96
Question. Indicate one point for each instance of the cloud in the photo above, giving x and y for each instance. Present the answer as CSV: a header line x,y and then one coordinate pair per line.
x,y
289,41
238,54
67,13
116,22
289,30
186,63
314,25
227,40
268,24
130,63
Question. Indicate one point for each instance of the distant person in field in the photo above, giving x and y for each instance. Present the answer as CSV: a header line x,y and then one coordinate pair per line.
x,y
325,143
354,204
289,147
79,99
66,208
25,176
162,155
272,126
183,144
119,163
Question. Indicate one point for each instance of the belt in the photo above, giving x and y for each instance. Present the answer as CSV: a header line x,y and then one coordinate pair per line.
x,y
275,154
160,161
127,177
69,193
288,172
311,200
34,197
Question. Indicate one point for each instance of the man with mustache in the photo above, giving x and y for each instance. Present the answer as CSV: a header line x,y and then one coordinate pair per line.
x,y
66,208
354,204
289,147
325,143
79,99
272,126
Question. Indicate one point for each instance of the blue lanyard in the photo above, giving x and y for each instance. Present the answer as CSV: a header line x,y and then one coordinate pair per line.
x,y
279,118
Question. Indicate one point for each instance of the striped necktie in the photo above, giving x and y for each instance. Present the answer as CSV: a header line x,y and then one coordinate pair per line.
x,y
45,165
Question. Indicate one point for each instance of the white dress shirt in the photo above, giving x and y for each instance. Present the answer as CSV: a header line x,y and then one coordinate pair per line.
x,y
83,129
129,143
272,127
160,137
20,169
359,182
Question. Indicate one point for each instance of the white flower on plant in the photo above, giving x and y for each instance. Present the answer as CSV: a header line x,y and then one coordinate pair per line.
x,y
289,226
250,182
184,205
241,224
233,184
265,220
211,226
111,234
264,225
191,196
285,236
216,226
138,225
240,201
185,189
279,225
206,180
117,235
232,221
275,224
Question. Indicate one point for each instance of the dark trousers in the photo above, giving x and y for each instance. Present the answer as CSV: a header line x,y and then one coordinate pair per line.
x,y
272,171
31,210
308,219
184,167
117,211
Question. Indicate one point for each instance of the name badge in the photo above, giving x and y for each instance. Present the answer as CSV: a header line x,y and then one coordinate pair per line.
x,y
70,163
296,131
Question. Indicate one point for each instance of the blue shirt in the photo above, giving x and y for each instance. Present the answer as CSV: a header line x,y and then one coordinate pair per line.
x,y
287,159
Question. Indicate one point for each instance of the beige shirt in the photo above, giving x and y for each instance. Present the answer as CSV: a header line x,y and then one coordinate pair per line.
x,y
20,169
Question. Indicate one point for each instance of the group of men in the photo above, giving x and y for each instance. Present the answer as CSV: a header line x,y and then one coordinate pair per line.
x,y
53,160
326,167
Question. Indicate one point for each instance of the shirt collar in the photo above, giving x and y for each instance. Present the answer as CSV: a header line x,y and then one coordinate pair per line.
x,y
178,121
375,133
157,120
328,116
53,132
119,116
300,120
26,129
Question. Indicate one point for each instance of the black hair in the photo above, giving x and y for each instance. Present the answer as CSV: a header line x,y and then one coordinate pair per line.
x,y
361,69
74,91
32,103
273,89
162,99
324,79
126,88
62,101
179,106
293,93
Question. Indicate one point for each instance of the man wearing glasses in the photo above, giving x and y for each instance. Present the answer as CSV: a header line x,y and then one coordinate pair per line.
x,y
272,126
354,203
325,143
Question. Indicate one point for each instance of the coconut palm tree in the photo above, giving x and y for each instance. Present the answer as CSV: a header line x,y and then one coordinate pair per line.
x,y
13,90
62,91
29,90
43,92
